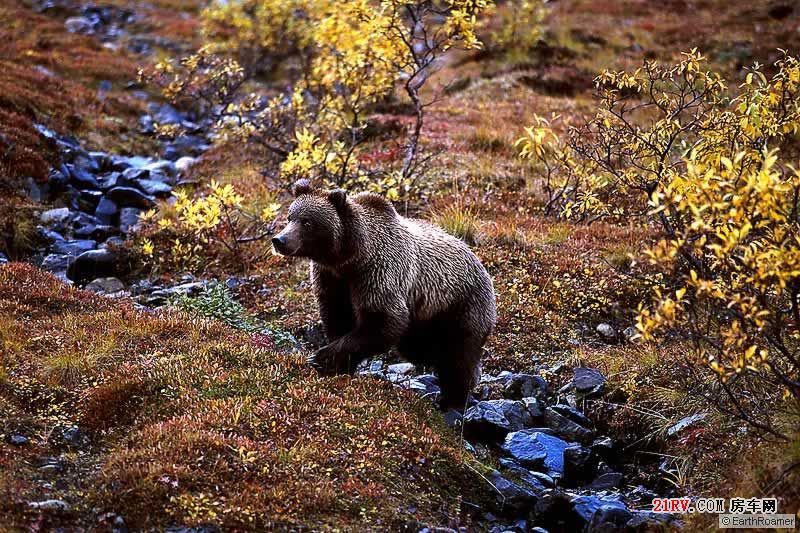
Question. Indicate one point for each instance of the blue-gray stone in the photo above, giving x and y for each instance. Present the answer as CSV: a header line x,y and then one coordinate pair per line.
x,y
536,449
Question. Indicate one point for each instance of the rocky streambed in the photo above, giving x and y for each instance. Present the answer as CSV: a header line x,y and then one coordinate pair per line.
x,y
555,471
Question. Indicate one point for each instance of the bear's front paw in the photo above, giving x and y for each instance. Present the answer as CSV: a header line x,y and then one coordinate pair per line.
x,y
326,360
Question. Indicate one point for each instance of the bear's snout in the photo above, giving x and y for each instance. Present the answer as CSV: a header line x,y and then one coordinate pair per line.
x,y
279,241
281,244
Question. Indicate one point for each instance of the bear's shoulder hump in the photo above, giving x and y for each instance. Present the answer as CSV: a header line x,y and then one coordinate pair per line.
x,y
374,201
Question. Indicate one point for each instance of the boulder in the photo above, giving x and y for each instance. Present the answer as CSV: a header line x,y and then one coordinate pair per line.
x,y
106,285
401,368
525,386
511,498
606,331
586,506
491,420
536,450
56,262
609,519
55,216
93,264
580,466
554,512
130,197
81,178
73,248
50,505
588,382
606,481
566,427
184,163
154,187
128,219
106,210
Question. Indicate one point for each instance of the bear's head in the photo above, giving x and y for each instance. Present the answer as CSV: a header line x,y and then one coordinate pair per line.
x,y
316,226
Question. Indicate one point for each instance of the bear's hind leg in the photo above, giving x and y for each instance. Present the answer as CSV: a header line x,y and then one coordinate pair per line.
x,y
457,370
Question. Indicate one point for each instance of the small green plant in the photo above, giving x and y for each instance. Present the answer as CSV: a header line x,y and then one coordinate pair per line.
x,y
218,303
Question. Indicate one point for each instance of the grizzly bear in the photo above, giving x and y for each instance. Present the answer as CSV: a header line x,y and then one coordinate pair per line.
x,y
385,281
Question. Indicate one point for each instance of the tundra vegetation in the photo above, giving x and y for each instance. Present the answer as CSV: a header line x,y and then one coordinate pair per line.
x,y
626,171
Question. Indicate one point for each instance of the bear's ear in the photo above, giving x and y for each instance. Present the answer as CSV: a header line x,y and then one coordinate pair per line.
x,y
302,186
338,198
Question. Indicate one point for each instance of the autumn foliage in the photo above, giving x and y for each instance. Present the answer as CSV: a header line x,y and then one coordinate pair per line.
x,y
670,146
337,61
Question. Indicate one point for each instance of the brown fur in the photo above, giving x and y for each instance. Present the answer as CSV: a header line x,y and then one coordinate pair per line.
x,y
382,280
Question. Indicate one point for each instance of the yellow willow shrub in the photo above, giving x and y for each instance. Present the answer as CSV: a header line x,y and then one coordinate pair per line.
x,y
321,67
194,231
734,283
647,122
672,146
521,25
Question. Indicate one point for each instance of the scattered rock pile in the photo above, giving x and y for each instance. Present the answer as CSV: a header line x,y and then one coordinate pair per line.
x,y
555,471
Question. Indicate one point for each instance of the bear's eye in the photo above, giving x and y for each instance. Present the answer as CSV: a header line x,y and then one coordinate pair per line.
x,y
306,222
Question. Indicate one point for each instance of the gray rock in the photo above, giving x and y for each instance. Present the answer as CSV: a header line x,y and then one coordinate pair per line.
x,y
534,406
527,478
580,465
609,519
401,368
525,386
573,414
567,428
3,258
685,423
630,333
130,197
97,232
554,511
34,190
79,25
536,449
133,174
165,114
587,506
162,296
106,285
56,262
163,167
606,481
649,521
491,420
511,497
606,331
52,465
49,235
184,163
129,219
106,210
19,440
50,505
91,265
155,188
55,216
602,446
112,241
589,382
73,248
81,178
75,437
